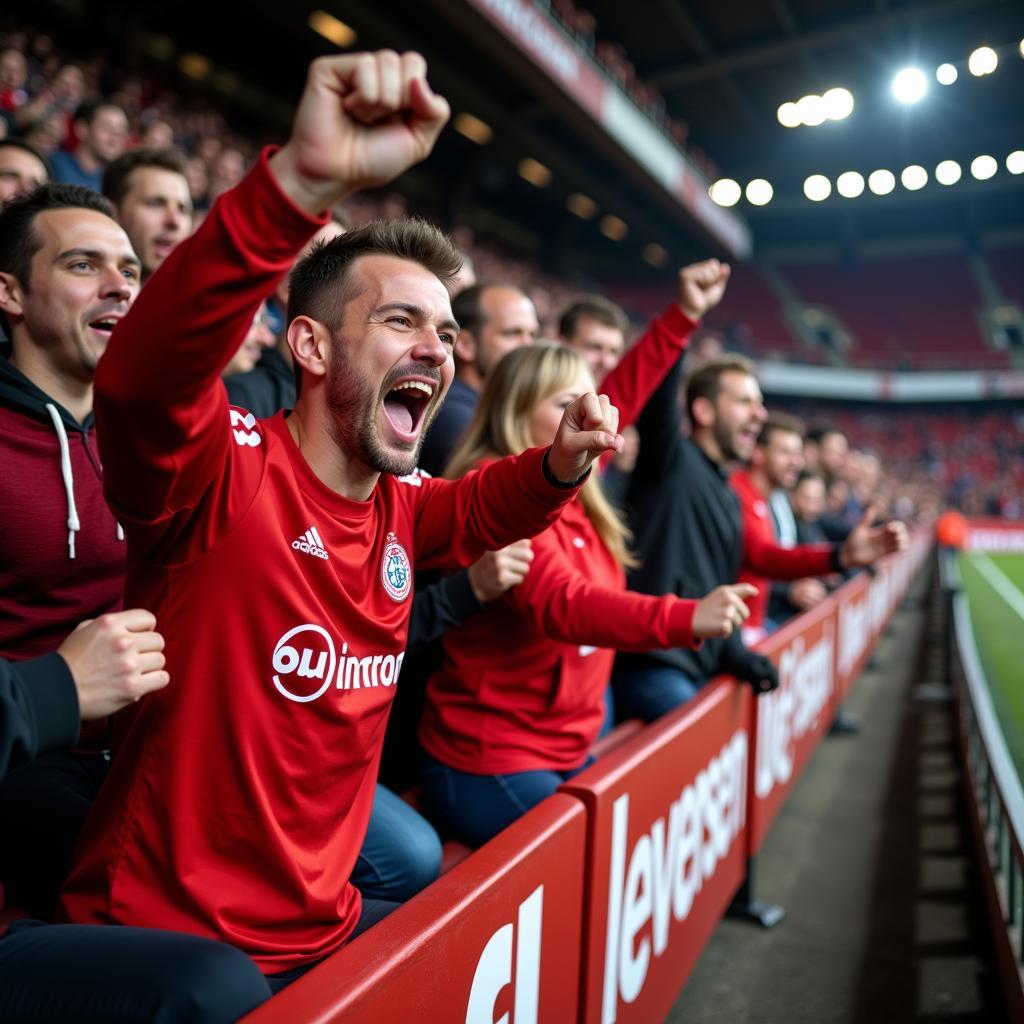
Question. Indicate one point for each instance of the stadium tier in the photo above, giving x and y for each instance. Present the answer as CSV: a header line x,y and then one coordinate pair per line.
x,y
435,587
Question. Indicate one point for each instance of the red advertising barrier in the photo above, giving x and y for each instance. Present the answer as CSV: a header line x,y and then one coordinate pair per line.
x,y
595,906
666,851
498,935
819,656
790,722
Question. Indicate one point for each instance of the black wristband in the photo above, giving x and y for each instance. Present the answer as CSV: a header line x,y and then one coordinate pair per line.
x,y
561,484
835,559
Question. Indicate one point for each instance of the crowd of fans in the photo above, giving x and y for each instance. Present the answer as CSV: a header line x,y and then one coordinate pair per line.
x,y
232,853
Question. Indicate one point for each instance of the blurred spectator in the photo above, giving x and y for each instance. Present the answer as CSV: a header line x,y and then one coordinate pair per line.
x,y
101,131
493,319
21,169
258,338
151,196
596,328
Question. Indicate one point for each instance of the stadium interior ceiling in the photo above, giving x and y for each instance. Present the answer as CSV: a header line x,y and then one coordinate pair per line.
x,y
722,67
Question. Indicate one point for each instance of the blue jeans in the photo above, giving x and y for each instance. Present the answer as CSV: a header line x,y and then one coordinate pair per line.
x,y
651,691
401,853
475,808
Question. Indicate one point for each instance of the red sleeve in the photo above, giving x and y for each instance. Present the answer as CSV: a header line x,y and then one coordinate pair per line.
x,y
569,607
644,366
504,501
161,408
766,558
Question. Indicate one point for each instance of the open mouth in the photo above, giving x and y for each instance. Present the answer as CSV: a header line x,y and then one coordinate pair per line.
x,y
406,404
104,325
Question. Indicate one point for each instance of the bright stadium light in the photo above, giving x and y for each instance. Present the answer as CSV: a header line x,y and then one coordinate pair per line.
x,y
881,182
909,85
726,192
983,61
984,167
838,103
946,74
759,192
948,172
914,177
1015,162
817,188
811,110
850,184
789,116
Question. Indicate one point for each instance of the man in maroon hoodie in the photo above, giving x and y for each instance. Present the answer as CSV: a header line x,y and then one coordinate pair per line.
x,y
67,275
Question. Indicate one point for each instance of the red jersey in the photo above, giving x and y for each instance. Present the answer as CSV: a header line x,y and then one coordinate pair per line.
x,y
239,798
757,524
521,686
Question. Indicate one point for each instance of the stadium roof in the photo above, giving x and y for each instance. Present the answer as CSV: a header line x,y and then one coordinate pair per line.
x,y
722,67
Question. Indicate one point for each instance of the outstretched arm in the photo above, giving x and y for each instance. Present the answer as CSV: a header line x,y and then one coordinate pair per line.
x,y
160,406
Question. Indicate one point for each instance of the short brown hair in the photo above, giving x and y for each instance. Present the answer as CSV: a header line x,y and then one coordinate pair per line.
x,y
116,178
593,307
780,423
706,380
319,282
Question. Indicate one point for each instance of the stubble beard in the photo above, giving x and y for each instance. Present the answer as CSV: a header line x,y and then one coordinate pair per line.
x,y
354,410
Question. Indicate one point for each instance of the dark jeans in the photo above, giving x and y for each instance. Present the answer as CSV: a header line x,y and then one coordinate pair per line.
x,y
43,806
649,692
82,972
475,808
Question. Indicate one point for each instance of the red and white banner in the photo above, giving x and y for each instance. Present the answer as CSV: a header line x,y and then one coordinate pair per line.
x,y
666,853
995,535
790,722
495,939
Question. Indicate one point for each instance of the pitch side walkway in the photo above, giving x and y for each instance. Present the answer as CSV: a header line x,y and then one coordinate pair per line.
x,y
871,860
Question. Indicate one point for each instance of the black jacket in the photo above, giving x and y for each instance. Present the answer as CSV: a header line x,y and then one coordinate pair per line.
x,y
265,390
38,709
687,529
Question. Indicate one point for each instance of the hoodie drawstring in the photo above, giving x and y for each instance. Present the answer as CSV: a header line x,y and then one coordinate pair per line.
x,y
69,480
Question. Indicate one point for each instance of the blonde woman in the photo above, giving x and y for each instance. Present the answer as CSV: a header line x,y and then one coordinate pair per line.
x,y
519,698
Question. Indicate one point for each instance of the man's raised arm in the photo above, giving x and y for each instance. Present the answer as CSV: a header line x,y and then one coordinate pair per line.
x,y
161,410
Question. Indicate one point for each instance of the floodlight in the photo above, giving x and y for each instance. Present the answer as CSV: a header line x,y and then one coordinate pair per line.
x,y
983,61
811,110
850,184
909,85
984,167
948,172
1015,162
838,103
914,177
725,192
789,116
946,74
759,192
881,182
817,188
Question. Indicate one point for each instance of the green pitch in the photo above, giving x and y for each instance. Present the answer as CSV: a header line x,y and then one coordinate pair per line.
x,y
994,585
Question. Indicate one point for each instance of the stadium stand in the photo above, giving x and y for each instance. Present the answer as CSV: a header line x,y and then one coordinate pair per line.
x,y
920,312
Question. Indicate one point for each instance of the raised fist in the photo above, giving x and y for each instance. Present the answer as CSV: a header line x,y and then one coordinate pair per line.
x,y
497,571
867,543
589,428
701,287
363,119
722,611
114,660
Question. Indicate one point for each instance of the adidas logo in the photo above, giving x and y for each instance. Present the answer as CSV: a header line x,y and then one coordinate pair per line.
x,y
311,544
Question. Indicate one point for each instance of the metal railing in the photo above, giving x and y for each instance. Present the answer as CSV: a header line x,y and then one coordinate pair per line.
x,y
994,784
